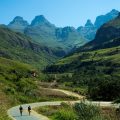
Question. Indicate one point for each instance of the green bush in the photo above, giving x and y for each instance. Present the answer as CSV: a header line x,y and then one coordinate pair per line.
x,y
104,90
87,112
10,90
65,114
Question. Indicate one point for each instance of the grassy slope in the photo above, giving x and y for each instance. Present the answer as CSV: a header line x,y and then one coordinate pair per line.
x,y
17,46
99,70
79,60
18,86
96,64
11,72
79,111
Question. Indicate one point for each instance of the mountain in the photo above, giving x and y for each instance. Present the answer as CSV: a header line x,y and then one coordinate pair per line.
x,y
89,30
69,37
100,56
18,24
107,36
41,30
98,70
95,65
41,20
18,46
100,20
45,33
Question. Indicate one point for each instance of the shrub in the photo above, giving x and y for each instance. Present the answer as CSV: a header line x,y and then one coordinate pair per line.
x,y
65,114
104,90
87,112
10,90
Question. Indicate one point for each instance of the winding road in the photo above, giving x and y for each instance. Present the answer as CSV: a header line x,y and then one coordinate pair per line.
x,y
15,115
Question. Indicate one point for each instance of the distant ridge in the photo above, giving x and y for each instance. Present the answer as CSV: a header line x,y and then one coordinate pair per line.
x,y
45,33
89,30
66,38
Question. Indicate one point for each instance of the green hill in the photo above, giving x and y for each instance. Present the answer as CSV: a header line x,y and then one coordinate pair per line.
x,y
99,70
16,83
80,62
19,47
19,85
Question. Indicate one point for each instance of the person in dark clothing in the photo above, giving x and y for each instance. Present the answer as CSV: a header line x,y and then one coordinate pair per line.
x,y
21,110
29,110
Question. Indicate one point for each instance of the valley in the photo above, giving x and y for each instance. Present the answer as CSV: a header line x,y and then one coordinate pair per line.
x,y
64,73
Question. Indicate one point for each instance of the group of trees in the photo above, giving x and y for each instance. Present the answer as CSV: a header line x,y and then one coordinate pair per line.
x,y
104,89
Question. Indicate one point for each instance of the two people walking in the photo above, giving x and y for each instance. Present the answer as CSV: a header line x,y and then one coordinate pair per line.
x,y
21,110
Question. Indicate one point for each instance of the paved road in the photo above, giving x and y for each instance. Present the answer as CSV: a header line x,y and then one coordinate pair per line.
x,y
15,115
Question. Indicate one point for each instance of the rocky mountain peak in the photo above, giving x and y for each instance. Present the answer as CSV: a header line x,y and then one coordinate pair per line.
x,y
89,23
113,11
39,20
100,20
18,24
19,21
17,18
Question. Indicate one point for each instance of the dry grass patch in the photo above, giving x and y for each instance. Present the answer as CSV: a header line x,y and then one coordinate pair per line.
x,y
46,92
110,113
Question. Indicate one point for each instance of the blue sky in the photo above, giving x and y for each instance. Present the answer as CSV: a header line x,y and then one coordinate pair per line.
x,y
60,12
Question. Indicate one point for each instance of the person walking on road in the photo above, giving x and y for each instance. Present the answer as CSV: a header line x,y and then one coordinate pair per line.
x,y
21,110
29,110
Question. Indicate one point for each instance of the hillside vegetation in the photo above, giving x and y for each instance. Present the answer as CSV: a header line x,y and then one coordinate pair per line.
x,y
15,82
79,111
18,85
96,69
96,64
19,47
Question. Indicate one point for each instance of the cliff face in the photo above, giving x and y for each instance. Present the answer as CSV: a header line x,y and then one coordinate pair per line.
x,y
100,20
89,30
107,36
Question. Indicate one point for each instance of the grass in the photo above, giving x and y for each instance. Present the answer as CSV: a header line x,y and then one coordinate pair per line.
x,y
4,105
79,111
62,112
17,46
3,115
86,69
110,54
54,95
110,113
18,86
